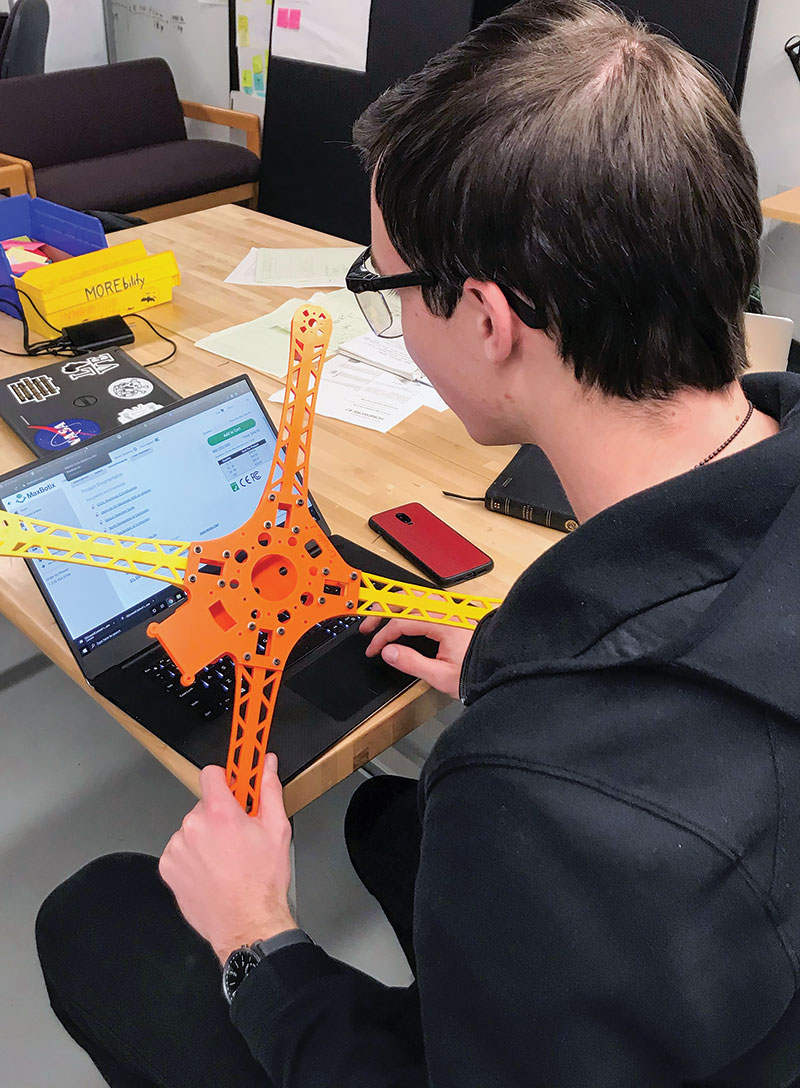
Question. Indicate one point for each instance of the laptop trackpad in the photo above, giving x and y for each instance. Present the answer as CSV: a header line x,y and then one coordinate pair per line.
x,y
338,683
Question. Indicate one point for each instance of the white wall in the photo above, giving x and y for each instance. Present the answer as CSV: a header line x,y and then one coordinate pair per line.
x,y
771,121
77,37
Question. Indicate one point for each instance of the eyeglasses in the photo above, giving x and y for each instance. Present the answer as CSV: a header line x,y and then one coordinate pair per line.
x,y
378,302
375,294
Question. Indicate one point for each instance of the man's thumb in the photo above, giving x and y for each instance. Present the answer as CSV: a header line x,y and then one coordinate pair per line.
x,y
439,674
271,788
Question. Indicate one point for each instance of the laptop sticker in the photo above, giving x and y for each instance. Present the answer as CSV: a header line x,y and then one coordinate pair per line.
x,y
130,388
37,388
86,368
58,436
137,410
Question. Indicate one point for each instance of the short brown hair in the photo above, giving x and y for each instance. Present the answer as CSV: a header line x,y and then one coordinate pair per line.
x,y
595,168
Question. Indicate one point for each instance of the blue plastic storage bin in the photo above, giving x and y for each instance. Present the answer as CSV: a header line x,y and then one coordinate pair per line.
x,y
64,229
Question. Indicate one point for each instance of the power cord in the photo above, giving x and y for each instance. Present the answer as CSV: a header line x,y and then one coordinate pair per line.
x,y
43,347
62,345
161,336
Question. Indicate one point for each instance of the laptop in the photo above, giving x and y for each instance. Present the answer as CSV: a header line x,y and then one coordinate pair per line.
x,y
192,471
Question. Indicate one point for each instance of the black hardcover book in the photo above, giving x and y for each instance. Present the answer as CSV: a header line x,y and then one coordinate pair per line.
x,y
56,406
528,488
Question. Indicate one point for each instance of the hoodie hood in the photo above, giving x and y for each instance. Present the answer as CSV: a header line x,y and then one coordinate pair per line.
x,y
702,556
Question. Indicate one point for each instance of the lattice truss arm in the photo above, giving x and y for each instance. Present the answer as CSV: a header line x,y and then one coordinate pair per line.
x,y
32,538
252,594
256,693
399,600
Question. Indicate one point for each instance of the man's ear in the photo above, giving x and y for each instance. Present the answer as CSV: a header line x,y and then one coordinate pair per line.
x,y
495,320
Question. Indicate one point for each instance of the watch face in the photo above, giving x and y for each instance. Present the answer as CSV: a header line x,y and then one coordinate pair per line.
x,y
239,965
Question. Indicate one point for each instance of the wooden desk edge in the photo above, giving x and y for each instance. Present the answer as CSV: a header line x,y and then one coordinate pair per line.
x,y
399,717
784,206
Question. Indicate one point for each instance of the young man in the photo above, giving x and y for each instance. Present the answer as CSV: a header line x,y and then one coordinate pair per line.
x,y
608,844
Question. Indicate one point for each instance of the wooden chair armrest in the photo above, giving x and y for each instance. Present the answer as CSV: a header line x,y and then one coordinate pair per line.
x,y
27,170
13,178
215,115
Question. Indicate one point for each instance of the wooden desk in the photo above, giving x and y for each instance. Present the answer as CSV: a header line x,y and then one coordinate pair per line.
x,y
354,472
784,206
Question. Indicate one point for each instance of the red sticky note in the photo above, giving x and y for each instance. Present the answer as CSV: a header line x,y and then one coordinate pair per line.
x,y
283,17
294,18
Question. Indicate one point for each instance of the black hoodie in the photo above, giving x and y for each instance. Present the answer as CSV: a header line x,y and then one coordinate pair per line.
x,y
609,887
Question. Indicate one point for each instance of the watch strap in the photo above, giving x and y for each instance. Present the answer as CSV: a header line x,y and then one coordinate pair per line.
x,y
233,973
280,940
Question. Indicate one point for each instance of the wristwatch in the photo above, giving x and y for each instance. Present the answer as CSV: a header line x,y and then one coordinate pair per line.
x,y
245,959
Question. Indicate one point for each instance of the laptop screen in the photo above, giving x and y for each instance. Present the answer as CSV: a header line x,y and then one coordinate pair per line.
x,y
191,472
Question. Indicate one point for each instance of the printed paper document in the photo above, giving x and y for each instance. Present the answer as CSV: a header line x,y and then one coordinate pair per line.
x,y
358,393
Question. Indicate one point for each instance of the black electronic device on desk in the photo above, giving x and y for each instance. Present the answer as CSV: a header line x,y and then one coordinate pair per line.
x,y
57,406
192,471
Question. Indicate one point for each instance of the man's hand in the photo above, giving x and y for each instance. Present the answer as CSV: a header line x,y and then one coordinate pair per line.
x,y
230,872
442,672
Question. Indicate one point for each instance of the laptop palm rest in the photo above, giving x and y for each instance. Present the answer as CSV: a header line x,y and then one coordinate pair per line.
x,y
321,699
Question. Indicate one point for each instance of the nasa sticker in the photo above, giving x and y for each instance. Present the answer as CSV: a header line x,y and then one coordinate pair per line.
x,y
63,433
130,388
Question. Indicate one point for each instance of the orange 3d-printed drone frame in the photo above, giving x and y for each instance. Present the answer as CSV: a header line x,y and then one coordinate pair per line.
x,y
253,593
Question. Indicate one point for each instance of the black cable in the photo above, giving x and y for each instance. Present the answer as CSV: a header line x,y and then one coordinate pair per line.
x,y
43,347
55,346
19,291
161,337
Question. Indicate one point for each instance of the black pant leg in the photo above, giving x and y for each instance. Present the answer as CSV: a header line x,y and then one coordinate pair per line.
x,y
134,985
383,834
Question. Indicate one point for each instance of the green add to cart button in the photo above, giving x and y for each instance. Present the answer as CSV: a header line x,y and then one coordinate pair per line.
x,y
231,432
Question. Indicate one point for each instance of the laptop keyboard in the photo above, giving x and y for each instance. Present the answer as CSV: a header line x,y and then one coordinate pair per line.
x,y
213,691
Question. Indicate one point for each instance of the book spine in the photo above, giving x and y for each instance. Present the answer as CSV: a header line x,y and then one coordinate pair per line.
x,y
539,515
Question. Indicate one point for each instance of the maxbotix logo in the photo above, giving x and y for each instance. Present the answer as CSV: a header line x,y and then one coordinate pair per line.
x,y
26,496
243,481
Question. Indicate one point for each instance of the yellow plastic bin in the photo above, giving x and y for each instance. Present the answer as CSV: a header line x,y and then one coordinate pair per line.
x,y
119,280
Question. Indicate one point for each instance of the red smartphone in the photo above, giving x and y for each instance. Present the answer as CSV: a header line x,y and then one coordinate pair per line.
x,y
444,555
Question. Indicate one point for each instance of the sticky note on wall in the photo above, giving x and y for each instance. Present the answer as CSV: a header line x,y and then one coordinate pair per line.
x,y
289,18
243,28
247,81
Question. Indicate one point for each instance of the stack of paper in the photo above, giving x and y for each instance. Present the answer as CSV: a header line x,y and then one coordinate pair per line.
x,y
358,393
391,356
376,385
24,253
263,344
324,267
386,354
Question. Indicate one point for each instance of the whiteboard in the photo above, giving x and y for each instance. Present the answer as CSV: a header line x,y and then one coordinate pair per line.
x,y
771,123
77,37
190,35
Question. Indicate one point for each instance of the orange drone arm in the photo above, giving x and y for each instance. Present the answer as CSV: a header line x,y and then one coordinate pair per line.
x,y
252,594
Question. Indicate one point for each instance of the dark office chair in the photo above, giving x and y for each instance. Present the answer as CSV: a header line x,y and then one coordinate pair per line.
x,y
24,39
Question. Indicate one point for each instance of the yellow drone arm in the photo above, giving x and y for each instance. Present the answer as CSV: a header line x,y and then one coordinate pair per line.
x,y
254,592
399,600
31,538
